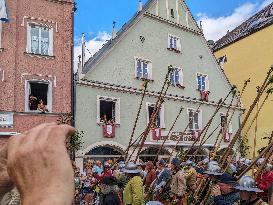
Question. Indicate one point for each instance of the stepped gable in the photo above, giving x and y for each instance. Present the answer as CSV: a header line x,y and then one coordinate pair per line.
x,y
261,20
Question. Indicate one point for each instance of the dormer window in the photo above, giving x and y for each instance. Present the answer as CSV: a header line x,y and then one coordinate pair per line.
x,y
143,69
174,43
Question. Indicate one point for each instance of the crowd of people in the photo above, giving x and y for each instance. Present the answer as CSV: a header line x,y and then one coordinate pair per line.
x,y
179,182
35,168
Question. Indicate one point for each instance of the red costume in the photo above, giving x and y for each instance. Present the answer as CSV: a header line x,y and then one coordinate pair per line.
x,y
263,182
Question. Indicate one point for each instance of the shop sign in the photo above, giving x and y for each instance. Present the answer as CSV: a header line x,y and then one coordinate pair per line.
x,y
176,136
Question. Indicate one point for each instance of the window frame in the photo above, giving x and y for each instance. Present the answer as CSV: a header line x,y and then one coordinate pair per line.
x,y
229,127
161,114
149,68
181,77
117,108
206,81
51,38
178,47
49,94
1,30
199,119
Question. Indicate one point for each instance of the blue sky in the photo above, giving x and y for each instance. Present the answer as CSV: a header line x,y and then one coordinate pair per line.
x,y
95,17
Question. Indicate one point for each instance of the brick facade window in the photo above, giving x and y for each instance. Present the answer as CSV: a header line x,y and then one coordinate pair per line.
x,y
176,77
159,119
38,96
39,40
202,82
174,43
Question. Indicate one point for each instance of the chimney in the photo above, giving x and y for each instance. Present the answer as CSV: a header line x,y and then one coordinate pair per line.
x,y
114,33
139,5
201,26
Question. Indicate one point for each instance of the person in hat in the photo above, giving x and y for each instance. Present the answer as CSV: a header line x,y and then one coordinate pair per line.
x,y
163,177
133,191
151,174
265,179
190,175
248,191
110,191
178,183
223,191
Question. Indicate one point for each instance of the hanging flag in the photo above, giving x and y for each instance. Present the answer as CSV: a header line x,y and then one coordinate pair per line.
x,y
3,11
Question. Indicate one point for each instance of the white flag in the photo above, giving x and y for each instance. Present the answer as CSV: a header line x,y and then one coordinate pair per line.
x,y
3,11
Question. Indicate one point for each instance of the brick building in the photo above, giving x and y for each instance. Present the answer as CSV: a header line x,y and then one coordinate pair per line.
x,y
36,47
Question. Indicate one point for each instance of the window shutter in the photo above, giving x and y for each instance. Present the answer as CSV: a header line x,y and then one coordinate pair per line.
x,y
28,48
150,71
207,83
162,116
145,70
172,78
118,111
190,116
147,112
230,128
169,41
181,77
98,109
178,44
200,118
51,42
199,82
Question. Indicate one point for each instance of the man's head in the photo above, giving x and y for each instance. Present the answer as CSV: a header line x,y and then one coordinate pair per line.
x,y
98,163
226,183
161,164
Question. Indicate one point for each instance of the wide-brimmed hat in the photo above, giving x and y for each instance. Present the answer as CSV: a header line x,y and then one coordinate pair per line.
x,y
162,162
131,168
214,170
248,184
226,179
176,162
109,180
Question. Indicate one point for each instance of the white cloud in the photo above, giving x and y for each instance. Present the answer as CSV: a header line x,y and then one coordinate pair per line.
x,y
92,45
215,28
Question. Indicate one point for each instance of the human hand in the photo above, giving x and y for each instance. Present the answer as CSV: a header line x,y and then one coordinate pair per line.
x,y
39,165
216,191
6,184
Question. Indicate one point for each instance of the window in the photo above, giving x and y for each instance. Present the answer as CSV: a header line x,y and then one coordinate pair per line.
x,y
143,69
176,77
38,96
195,119
172,13
108,110
174,43
223,122
202,82
40,40
159,119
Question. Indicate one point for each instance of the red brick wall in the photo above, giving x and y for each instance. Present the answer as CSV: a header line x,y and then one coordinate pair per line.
x,y
15,62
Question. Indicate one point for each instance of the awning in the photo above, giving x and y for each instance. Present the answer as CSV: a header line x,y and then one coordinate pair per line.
x,y
3,11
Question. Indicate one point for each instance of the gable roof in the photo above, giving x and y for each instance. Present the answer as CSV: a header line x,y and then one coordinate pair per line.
x,y
91,61
261,20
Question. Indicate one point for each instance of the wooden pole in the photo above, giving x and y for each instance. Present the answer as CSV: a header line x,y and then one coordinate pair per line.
x,y
197,110
136,120
268,155
255,160
159,150
157,107
238,133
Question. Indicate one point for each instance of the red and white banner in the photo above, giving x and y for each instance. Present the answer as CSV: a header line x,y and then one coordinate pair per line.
x,y
109,131
205,95
156,134
227,137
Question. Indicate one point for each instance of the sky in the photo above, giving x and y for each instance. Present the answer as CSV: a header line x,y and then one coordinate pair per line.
x,y
95,17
